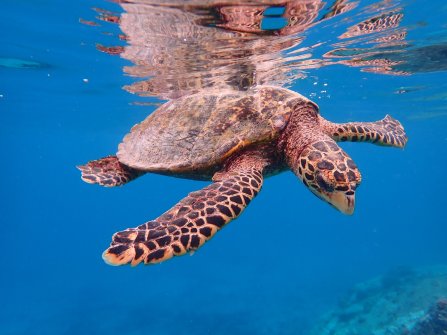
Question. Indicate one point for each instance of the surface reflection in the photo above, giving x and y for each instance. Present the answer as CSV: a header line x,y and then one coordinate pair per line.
x,y
179,48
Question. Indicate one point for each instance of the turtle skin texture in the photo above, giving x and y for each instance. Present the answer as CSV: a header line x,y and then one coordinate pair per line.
x,y
235,139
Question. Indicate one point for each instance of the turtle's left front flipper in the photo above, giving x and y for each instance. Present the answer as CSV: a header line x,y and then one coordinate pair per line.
x,y
108,172
386,132
189,224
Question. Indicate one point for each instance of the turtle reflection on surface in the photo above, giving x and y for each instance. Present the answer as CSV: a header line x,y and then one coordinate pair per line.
x,y
182,48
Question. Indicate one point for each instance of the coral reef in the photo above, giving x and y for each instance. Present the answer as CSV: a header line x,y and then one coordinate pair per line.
x,y
403,302
434,322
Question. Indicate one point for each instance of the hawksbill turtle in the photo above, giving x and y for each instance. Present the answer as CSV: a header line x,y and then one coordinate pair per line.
x,y
235,139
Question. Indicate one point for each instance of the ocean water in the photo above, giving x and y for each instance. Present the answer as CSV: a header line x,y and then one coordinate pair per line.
x,y
289,258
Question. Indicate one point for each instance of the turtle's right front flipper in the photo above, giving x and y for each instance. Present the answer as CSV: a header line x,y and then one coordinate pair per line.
x,y
386,132
108,171
189,224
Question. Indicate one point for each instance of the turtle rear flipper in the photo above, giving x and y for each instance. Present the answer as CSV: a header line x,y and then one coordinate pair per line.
x,y
189,224
386,132
108,171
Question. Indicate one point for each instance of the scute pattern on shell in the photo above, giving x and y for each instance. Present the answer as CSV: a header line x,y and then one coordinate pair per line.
x,y
200,131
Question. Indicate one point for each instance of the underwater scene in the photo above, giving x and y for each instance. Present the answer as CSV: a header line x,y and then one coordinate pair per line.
x,y
134,132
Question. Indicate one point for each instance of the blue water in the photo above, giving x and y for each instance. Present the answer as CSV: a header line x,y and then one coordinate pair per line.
x,y
275,270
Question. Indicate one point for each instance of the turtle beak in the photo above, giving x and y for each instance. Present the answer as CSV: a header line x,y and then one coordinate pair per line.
x,y
340,200
343,202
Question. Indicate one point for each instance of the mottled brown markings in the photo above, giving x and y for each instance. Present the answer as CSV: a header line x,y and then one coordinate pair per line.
x,y
164,241
246,199
138,251
141,236
206,231
180,222
225,210
236,209
108,171
156,255
184,239
124,236
200,222
151,245
342,188
198,205
340,177
341,167
387,132
221,198
119,249
177,250
195,242
308,176
320,146
249,184
351,164
216,220
182,210
254,183
333,146
247,191
313,156
237,199
351,176
323,184
325,165
167,217
193,215
156,233
243,187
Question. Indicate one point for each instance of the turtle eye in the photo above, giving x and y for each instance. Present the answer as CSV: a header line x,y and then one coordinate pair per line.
x,y
324,184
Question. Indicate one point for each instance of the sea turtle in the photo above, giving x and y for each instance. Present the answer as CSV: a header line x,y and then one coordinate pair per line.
x,y
233,138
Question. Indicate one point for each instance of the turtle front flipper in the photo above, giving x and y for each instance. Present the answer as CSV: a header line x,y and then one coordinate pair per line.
x,y
386,132
108,171
189,224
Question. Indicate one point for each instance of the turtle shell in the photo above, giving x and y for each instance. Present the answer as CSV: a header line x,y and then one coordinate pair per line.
x,y
198,132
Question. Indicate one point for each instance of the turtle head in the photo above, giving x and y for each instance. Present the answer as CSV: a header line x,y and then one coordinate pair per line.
x,y
330,174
